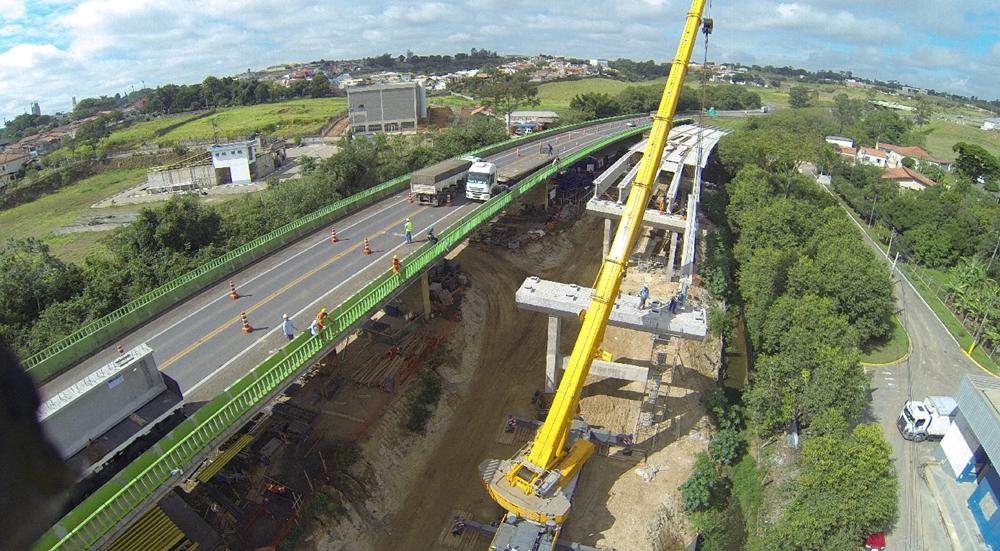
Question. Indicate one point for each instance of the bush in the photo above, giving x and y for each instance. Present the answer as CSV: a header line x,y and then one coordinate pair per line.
x,y
424,402
698,492
727,446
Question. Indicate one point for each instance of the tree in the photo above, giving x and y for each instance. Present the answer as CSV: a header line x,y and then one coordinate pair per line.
x,y
596,105
924,112
506,93
847,489
846,110
727,446
308,164
799,97
974,161
319,86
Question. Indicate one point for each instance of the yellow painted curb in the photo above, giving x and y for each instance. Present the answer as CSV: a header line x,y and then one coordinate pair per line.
x,y
904,357
979,365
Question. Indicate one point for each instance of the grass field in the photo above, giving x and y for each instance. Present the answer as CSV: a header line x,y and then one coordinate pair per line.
x,y
39,218
890,351
943,134
555,96
287,119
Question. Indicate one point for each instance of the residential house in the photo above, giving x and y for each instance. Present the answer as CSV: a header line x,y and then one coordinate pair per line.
x,y
11,163
872,156
908,178
991,124
849,152
897,153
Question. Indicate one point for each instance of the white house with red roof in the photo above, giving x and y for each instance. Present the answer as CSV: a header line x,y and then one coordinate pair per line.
x,y
872,156
897,153
908,178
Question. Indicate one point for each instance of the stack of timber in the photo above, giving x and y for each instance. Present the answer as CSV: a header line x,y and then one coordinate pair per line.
x,y
386,366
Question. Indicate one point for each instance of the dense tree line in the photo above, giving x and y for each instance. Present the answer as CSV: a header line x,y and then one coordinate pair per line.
x,y
476,58
646,99
228,91
44,299
811,293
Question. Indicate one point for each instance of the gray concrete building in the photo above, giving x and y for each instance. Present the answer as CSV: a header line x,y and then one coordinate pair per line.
x,y
387,107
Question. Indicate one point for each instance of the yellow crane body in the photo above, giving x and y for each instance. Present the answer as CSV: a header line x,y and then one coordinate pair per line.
x,y
530,484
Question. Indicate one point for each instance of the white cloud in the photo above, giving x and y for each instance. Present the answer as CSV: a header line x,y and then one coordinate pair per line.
x,y
94,47
11,10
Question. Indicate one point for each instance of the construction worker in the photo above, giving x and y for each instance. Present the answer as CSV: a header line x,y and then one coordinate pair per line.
x,y
430,235
549,147
314,327
408,230
287,327
395,264
321,317
643,295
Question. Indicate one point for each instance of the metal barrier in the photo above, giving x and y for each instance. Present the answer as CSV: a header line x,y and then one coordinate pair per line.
x,y
85,525
86,340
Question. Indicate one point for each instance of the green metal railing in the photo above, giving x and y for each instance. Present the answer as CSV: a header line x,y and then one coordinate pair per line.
x,y
85,341
85,525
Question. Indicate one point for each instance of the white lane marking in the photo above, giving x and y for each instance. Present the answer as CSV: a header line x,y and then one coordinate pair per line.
x,y
269,270
296,314
312,304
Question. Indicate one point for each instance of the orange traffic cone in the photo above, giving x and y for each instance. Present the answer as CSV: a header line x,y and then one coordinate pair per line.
x,y
246,324
410,198
395,264
121,349
333,235
232,290
449,200
367,250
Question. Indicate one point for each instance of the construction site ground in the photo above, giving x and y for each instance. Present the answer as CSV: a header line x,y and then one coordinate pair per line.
x,y
402,489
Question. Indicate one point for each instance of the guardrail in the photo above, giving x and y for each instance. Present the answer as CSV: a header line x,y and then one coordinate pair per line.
x,y
83,342
85,525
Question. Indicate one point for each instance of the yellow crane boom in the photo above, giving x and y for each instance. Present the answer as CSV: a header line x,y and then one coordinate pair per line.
x,y
529,484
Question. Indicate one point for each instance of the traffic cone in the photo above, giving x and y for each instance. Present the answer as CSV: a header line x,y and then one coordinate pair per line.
x,y
367,249
410,198
449,200
121,349
232,290
246,324
395,264
333,235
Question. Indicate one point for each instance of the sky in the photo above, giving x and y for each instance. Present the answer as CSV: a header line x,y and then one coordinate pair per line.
x,y
52,50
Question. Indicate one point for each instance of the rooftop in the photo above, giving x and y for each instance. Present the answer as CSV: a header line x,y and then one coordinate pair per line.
x,y
903,173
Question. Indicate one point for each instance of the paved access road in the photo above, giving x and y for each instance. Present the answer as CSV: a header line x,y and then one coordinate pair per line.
x,y
199,342
935,365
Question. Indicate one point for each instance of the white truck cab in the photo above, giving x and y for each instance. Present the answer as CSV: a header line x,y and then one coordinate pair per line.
x,y
930,418
481,182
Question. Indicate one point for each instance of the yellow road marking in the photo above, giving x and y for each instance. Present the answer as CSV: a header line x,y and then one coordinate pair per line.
x,y
213,333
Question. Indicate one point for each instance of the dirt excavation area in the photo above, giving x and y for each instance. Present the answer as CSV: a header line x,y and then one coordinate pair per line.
x,y
491,364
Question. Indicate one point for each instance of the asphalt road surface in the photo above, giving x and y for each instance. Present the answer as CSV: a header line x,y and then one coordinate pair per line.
x,y
935,366
200,343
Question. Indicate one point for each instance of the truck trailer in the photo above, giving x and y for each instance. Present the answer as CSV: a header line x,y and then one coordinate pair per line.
x,y
432,185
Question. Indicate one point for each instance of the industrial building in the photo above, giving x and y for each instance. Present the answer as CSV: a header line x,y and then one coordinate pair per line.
x,y
386,107
969,449
229,163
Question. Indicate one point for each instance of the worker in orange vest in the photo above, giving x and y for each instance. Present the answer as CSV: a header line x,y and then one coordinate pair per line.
x,y
395,264
320,318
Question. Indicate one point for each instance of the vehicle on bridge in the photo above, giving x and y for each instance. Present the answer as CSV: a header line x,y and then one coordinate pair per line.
x,y
432,185
927,419
484,181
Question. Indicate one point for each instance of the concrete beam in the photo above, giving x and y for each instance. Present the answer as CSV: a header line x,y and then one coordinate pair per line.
x,y
565,300
652,218
614,370
552,360
671,256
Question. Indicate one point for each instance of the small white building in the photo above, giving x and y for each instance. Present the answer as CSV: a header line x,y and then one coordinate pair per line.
x,y
234,158
840,141
908,179
535,117
872,156
991,124
11,164
598,63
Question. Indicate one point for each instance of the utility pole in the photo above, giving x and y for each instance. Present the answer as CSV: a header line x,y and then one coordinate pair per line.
x,y
889,248
989,268
871,219
982,325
